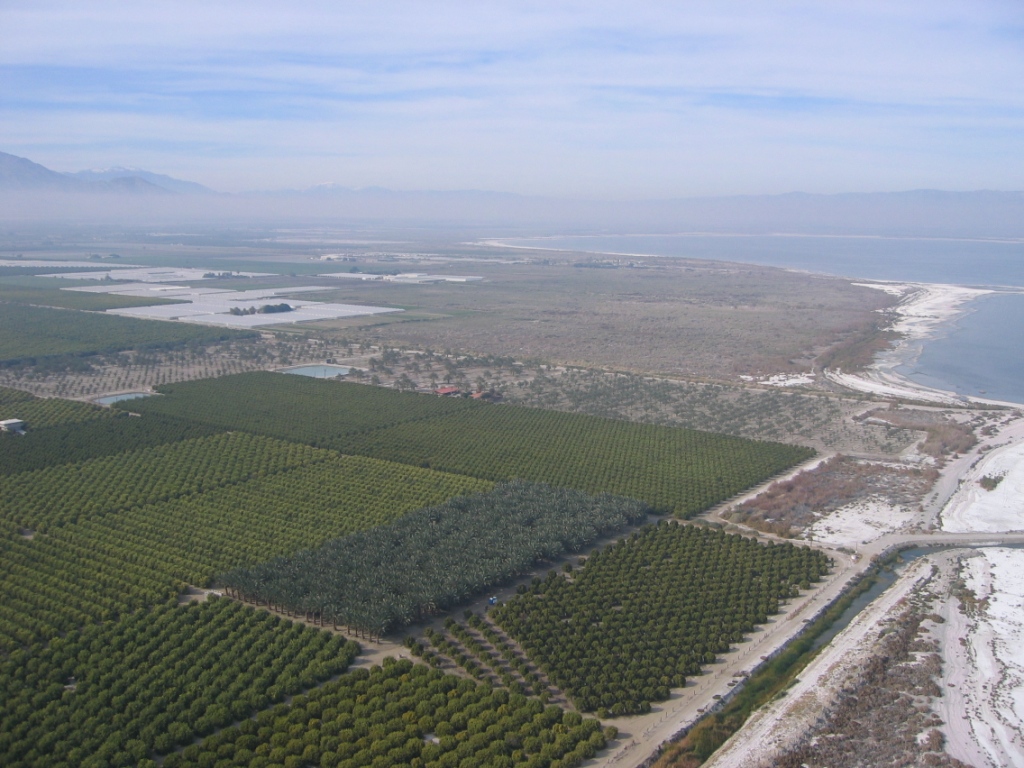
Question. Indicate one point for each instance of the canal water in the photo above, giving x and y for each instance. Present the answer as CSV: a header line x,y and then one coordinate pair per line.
x,y
111,399
884,579
318,371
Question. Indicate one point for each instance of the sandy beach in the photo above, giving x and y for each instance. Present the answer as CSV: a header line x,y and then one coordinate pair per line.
x,y
860,523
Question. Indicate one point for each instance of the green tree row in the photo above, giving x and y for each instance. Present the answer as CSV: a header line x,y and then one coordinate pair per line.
x,y
675,470
648,611
403,714
434,558
40,413
296,408
79,441
103,566
9,396
111,694
54,496
33,333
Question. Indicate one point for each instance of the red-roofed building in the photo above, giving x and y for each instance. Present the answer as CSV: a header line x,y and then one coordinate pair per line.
x,y
447,391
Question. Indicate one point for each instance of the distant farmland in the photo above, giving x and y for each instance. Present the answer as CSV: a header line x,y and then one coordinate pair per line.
x,y
32,333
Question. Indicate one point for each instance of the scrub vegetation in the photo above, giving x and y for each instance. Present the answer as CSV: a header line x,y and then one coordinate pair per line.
x,y
790,506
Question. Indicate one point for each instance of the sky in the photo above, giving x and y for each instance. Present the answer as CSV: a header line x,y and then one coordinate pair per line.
x,y
595,99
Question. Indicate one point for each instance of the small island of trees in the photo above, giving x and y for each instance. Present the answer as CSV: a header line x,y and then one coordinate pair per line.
x,y
266,309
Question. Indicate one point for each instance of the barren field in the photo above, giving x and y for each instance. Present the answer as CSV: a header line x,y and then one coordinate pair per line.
x,y
841,494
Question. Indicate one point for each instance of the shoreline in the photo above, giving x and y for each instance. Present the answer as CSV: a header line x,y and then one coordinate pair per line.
x,y
923,311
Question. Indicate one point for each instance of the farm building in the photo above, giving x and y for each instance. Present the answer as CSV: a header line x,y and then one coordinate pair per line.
x,y
447,391
12,425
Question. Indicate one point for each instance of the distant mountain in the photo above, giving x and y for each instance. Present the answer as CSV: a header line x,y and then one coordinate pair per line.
x,y
18,174
331,189
28,190
158,179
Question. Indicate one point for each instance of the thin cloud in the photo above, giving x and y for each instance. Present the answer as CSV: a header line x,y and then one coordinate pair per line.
x,y
558,98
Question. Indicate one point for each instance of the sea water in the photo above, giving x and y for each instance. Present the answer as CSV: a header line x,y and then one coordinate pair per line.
x,y
979,354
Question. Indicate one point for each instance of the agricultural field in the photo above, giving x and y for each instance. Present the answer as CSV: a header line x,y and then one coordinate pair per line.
x,y
82,440
40,413
117,692
481,651
10,396
34,333
436,558
674,470
140,550
401,714
645,613
370,508
41,292
296,408
71,493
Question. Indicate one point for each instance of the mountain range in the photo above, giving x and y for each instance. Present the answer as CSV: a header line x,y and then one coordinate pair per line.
x,y
31,191
22,175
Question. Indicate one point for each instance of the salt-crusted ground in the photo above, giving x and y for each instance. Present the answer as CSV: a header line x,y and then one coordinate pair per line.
x,y
973,508
982,644
860,522
783,379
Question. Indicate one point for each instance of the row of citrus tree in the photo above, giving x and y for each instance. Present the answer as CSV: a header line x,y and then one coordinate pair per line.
x,y
401,714
105,565
674,470
645,613
113,693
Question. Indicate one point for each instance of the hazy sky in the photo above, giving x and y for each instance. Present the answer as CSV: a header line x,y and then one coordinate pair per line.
x,y
595,99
